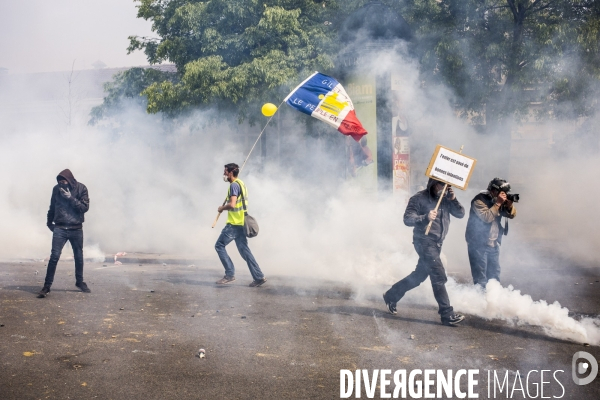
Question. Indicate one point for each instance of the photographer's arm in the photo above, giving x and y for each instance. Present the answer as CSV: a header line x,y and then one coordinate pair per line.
x,y
485,213
508,210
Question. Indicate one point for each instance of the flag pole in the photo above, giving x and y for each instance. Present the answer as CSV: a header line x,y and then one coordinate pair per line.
x,y
250,152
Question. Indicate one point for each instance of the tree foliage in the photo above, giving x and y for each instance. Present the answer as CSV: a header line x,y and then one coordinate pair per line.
x,y
498,56
233,52
127,86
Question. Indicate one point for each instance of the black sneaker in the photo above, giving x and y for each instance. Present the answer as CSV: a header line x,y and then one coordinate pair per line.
x,y
391,306
84,288
258,282
42,293
453,319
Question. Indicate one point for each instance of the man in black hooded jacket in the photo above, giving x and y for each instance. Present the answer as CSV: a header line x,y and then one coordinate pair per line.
x,y
419,211
65,219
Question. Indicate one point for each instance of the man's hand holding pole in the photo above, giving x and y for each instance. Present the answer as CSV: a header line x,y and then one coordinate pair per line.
x,y
434,211
220,209
432,215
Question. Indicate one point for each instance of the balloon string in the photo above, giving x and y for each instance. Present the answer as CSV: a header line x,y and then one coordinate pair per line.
x,y
259,136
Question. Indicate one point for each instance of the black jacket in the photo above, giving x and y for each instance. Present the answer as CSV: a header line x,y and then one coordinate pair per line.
x,y
68,213
418,208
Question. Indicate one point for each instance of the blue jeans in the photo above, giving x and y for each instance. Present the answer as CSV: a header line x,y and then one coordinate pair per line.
x,y
59,238
429,265
236,232
485,263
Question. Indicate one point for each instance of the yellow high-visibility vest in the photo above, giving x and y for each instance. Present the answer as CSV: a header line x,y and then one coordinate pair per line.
x,y
236,216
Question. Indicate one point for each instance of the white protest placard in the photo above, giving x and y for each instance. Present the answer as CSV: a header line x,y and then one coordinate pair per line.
x,y
450,167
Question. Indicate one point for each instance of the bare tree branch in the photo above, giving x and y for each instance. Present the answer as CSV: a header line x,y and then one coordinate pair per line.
x,y
513,8
542,7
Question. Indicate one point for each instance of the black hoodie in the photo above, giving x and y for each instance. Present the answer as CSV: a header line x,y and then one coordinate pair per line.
x,y
68,213
418,208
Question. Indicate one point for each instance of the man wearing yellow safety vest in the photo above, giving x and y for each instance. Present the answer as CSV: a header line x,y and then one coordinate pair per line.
x,y
236,205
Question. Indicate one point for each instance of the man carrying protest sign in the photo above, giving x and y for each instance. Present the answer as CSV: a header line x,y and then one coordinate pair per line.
x,y
484,231
419,212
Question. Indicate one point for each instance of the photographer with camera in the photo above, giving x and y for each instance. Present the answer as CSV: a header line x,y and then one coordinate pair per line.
x,y
484,229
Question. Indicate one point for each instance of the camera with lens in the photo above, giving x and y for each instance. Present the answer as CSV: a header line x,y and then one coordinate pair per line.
x,y
502,186
514,197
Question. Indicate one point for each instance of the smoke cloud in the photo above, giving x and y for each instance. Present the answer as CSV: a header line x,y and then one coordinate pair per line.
x,y
157,190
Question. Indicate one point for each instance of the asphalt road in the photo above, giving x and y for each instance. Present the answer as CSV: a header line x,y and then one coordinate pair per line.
x,y
136,336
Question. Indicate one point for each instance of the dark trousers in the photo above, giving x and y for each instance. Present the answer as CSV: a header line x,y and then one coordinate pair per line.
x,y
59,238
229,234
431,266
485,263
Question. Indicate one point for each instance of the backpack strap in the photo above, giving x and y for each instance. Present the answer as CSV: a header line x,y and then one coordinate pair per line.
x,y
243,199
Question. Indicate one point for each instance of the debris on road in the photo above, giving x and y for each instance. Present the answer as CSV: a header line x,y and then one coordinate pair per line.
x,y
164,264
412,337
119,254
243,317
201,353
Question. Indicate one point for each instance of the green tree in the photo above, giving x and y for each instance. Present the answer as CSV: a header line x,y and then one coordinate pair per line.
x,y
126,88
237,53
500,55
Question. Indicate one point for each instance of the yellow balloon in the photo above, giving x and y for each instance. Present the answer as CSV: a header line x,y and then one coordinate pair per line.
x,y
269,109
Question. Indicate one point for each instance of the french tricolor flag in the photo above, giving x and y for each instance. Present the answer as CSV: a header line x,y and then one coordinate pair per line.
x,y
324,98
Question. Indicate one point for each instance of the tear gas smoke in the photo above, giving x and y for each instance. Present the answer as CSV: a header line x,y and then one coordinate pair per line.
x,y
508,304
156,191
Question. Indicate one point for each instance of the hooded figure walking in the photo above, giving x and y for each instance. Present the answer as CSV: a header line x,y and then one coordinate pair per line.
x,y
65,219
419,211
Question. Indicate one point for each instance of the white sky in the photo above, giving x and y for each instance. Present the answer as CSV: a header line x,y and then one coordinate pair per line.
x,y
47,35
